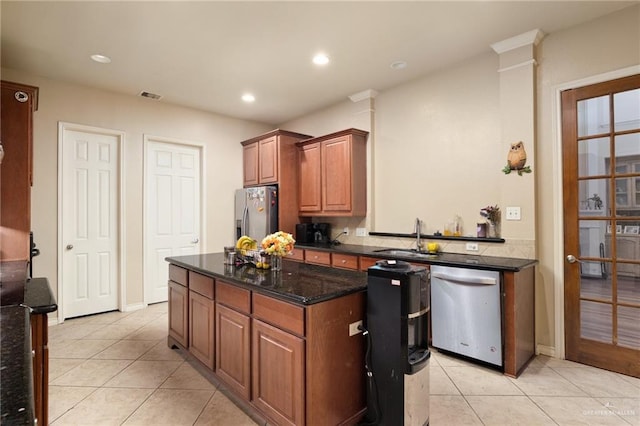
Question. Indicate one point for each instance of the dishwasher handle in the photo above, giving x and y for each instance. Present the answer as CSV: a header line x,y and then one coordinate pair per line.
x,y
465,280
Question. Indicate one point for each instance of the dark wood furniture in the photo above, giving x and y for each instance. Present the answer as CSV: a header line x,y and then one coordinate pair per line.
x,y
270,159
333,174
19,102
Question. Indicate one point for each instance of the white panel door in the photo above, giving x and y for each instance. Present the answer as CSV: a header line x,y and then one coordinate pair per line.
x,y
90,226
172,210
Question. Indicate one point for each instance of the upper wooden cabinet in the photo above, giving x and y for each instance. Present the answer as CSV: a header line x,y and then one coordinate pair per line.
x,y
268,158
271,159
19,102
333,174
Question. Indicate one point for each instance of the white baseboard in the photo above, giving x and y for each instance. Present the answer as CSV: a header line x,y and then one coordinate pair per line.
x,y
135,307
546,350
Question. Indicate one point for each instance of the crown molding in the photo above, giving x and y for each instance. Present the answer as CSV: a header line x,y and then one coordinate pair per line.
x,y
365,94
525,39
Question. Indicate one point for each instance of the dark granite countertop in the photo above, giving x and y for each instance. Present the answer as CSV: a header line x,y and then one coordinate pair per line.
x,y
493,263
297,282
16,368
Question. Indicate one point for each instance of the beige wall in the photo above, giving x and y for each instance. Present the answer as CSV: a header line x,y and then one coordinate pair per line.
x,y
134,116
438,151
435,150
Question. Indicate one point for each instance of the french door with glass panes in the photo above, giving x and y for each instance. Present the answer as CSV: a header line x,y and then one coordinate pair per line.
x,y
601,186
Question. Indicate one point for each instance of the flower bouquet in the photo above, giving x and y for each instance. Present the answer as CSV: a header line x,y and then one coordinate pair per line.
x,y
276,246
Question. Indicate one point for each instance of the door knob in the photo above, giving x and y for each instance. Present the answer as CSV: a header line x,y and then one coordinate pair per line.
x,y
195,241
572,259
69,246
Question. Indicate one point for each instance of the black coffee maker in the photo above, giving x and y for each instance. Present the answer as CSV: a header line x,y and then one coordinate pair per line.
x,y
313,233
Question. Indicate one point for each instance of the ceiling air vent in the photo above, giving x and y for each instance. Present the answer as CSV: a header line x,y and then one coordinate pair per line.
x,y
150,95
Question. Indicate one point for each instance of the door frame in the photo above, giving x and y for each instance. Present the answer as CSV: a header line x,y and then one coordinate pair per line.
x,y
121,285
558,198
147,139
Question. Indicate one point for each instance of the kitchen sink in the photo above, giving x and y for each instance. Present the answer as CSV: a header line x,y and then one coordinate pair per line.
x,y
406,253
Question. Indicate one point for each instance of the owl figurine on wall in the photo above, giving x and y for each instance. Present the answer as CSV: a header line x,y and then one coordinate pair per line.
x,y
516,159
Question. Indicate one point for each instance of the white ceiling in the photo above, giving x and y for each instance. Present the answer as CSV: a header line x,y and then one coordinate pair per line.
x,y
207,54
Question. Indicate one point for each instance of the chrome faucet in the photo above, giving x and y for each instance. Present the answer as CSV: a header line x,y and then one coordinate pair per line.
x,y
418,238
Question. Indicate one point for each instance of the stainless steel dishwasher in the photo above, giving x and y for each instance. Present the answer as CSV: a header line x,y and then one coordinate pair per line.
x,y
466,312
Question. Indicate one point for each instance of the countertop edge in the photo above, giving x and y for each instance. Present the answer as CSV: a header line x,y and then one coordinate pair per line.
x,y
471,261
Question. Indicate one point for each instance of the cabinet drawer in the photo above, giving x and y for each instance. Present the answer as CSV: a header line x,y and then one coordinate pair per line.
x,y
366,262
201,284
296,254
281,314
317,257
345,261
178,275
233,297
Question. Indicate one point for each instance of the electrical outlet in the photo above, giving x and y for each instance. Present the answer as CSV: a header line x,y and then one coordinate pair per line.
x,y
361,232
472,246
353,328
346,230
513,213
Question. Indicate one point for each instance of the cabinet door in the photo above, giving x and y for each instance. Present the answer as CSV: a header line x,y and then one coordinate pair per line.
x,y
268,160
17,105
233,349
250,164
310,180
178,313
336,175
201,328
278,374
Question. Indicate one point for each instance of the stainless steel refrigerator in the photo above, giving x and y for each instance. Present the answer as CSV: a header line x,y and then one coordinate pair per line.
x,y
256,211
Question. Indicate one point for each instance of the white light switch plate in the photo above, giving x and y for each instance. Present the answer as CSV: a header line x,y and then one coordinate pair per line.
x,y
513,213
361,232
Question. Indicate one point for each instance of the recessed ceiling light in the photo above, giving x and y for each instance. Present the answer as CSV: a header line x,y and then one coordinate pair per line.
x,y
101,58
248,97
398,65
321,59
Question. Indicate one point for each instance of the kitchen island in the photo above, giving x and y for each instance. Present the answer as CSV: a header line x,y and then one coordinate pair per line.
x,y
24,362
279,342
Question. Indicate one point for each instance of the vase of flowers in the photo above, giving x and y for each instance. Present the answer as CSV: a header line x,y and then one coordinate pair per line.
x,y
492,214
276,246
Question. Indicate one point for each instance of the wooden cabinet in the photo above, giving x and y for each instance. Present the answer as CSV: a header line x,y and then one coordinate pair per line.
x,y
366,262
202,318
296,254
179,313
309,167
333,174
271,159
233,338
16,134
344,261
40,347
317,257
278,374
201,331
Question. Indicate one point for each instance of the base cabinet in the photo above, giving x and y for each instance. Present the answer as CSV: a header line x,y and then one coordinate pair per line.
x,y
39,345
278,374
179,313
233,349
201,328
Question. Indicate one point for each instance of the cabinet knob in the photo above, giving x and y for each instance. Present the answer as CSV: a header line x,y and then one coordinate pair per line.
x,y
344,261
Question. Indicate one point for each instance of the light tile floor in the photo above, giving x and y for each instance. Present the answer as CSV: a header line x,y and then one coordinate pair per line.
x,y
116,369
